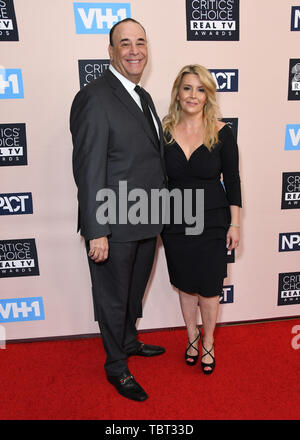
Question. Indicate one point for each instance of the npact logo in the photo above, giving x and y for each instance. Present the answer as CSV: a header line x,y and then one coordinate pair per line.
x,y
18,203
227,295
11,84
226,80
230,256
289,241
99,18
295,18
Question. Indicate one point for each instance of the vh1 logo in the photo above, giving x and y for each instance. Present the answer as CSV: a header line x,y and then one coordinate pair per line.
x,y
21,309
99,18
292,137
11,84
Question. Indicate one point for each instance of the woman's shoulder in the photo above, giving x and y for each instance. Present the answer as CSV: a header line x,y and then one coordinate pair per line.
x,y
220,125
224,130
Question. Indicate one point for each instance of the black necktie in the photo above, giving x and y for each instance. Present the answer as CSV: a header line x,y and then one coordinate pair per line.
x,y
141,92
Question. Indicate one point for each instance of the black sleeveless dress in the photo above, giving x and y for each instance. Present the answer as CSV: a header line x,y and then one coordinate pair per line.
x,y
197,263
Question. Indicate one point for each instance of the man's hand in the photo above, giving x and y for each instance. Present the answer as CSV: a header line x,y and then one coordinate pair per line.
x,y
99,249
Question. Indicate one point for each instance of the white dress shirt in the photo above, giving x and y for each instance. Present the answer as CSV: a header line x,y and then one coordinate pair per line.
x,y
129,86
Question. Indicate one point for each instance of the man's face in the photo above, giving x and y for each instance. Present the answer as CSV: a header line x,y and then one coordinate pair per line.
x,y
129,54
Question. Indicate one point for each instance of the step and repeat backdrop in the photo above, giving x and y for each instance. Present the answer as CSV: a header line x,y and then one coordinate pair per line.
x,y
51,49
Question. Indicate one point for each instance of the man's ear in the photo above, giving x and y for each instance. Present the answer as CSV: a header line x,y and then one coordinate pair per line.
x,y
110,51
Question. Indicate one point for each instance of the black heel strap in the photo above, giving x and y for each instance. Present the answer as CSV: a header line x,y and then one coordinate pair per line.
x,y
195,340
208,352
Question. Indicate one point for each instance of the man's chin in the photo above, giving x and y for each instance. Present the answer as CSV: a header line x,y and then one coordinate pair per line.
x,y
134,76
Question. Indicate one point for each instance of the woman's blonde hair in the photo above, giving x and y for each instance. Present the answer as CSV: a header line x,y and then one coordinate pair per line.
x,y
210,111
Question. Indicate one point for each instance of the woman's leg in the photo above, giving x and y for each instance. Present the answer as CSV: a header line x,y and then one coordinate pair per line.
x,y
189,308
209,308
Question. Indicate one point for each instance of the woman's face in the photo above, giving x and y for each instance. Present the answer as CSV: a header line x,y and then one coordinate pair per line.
x,y
191,95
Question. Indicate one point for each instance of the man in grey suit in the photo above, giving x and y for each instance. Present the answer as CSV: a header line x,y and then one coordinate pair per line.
x,y
117,137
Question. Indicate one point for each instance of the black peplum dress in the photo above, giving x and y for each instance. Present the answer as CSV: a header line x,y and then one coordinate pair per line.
x,y
198,263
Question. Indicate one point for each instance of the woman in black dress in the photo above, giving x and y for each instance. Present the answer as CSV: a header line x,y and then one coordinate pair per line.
x,y
199,151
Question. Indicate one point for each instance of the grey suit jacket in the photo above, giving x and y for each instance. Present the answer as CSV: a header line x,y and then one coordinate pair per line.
x,y
113,142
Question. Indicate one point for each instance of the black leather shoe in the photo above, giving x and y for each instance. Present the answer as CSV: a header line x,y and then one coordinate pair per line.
x,y
127,386
147,350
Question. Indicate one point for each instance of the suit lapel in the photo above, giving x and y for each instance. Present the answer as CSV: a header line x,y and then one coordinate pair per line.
x,y
161,136
122,94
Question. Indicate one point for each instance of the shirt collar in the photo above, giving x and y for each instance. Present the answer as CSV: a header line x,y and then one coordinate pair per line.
x,y
129,85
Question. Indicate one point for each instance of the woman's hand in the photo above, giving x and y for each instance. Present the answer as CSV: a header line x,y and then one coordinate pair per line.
x,y
233,237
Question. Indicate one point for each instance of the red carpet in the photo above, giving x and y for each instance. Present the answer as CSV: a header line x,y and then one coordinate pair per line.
x,y
256,378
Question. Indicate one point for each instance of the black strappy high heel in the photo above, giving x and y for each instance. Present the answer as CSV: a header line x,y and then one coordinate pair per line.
x,y
204,364
194,358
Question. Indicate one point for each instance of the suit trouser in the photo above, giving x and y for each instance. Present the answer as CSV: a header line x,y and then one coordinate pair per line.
x,y
118,286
